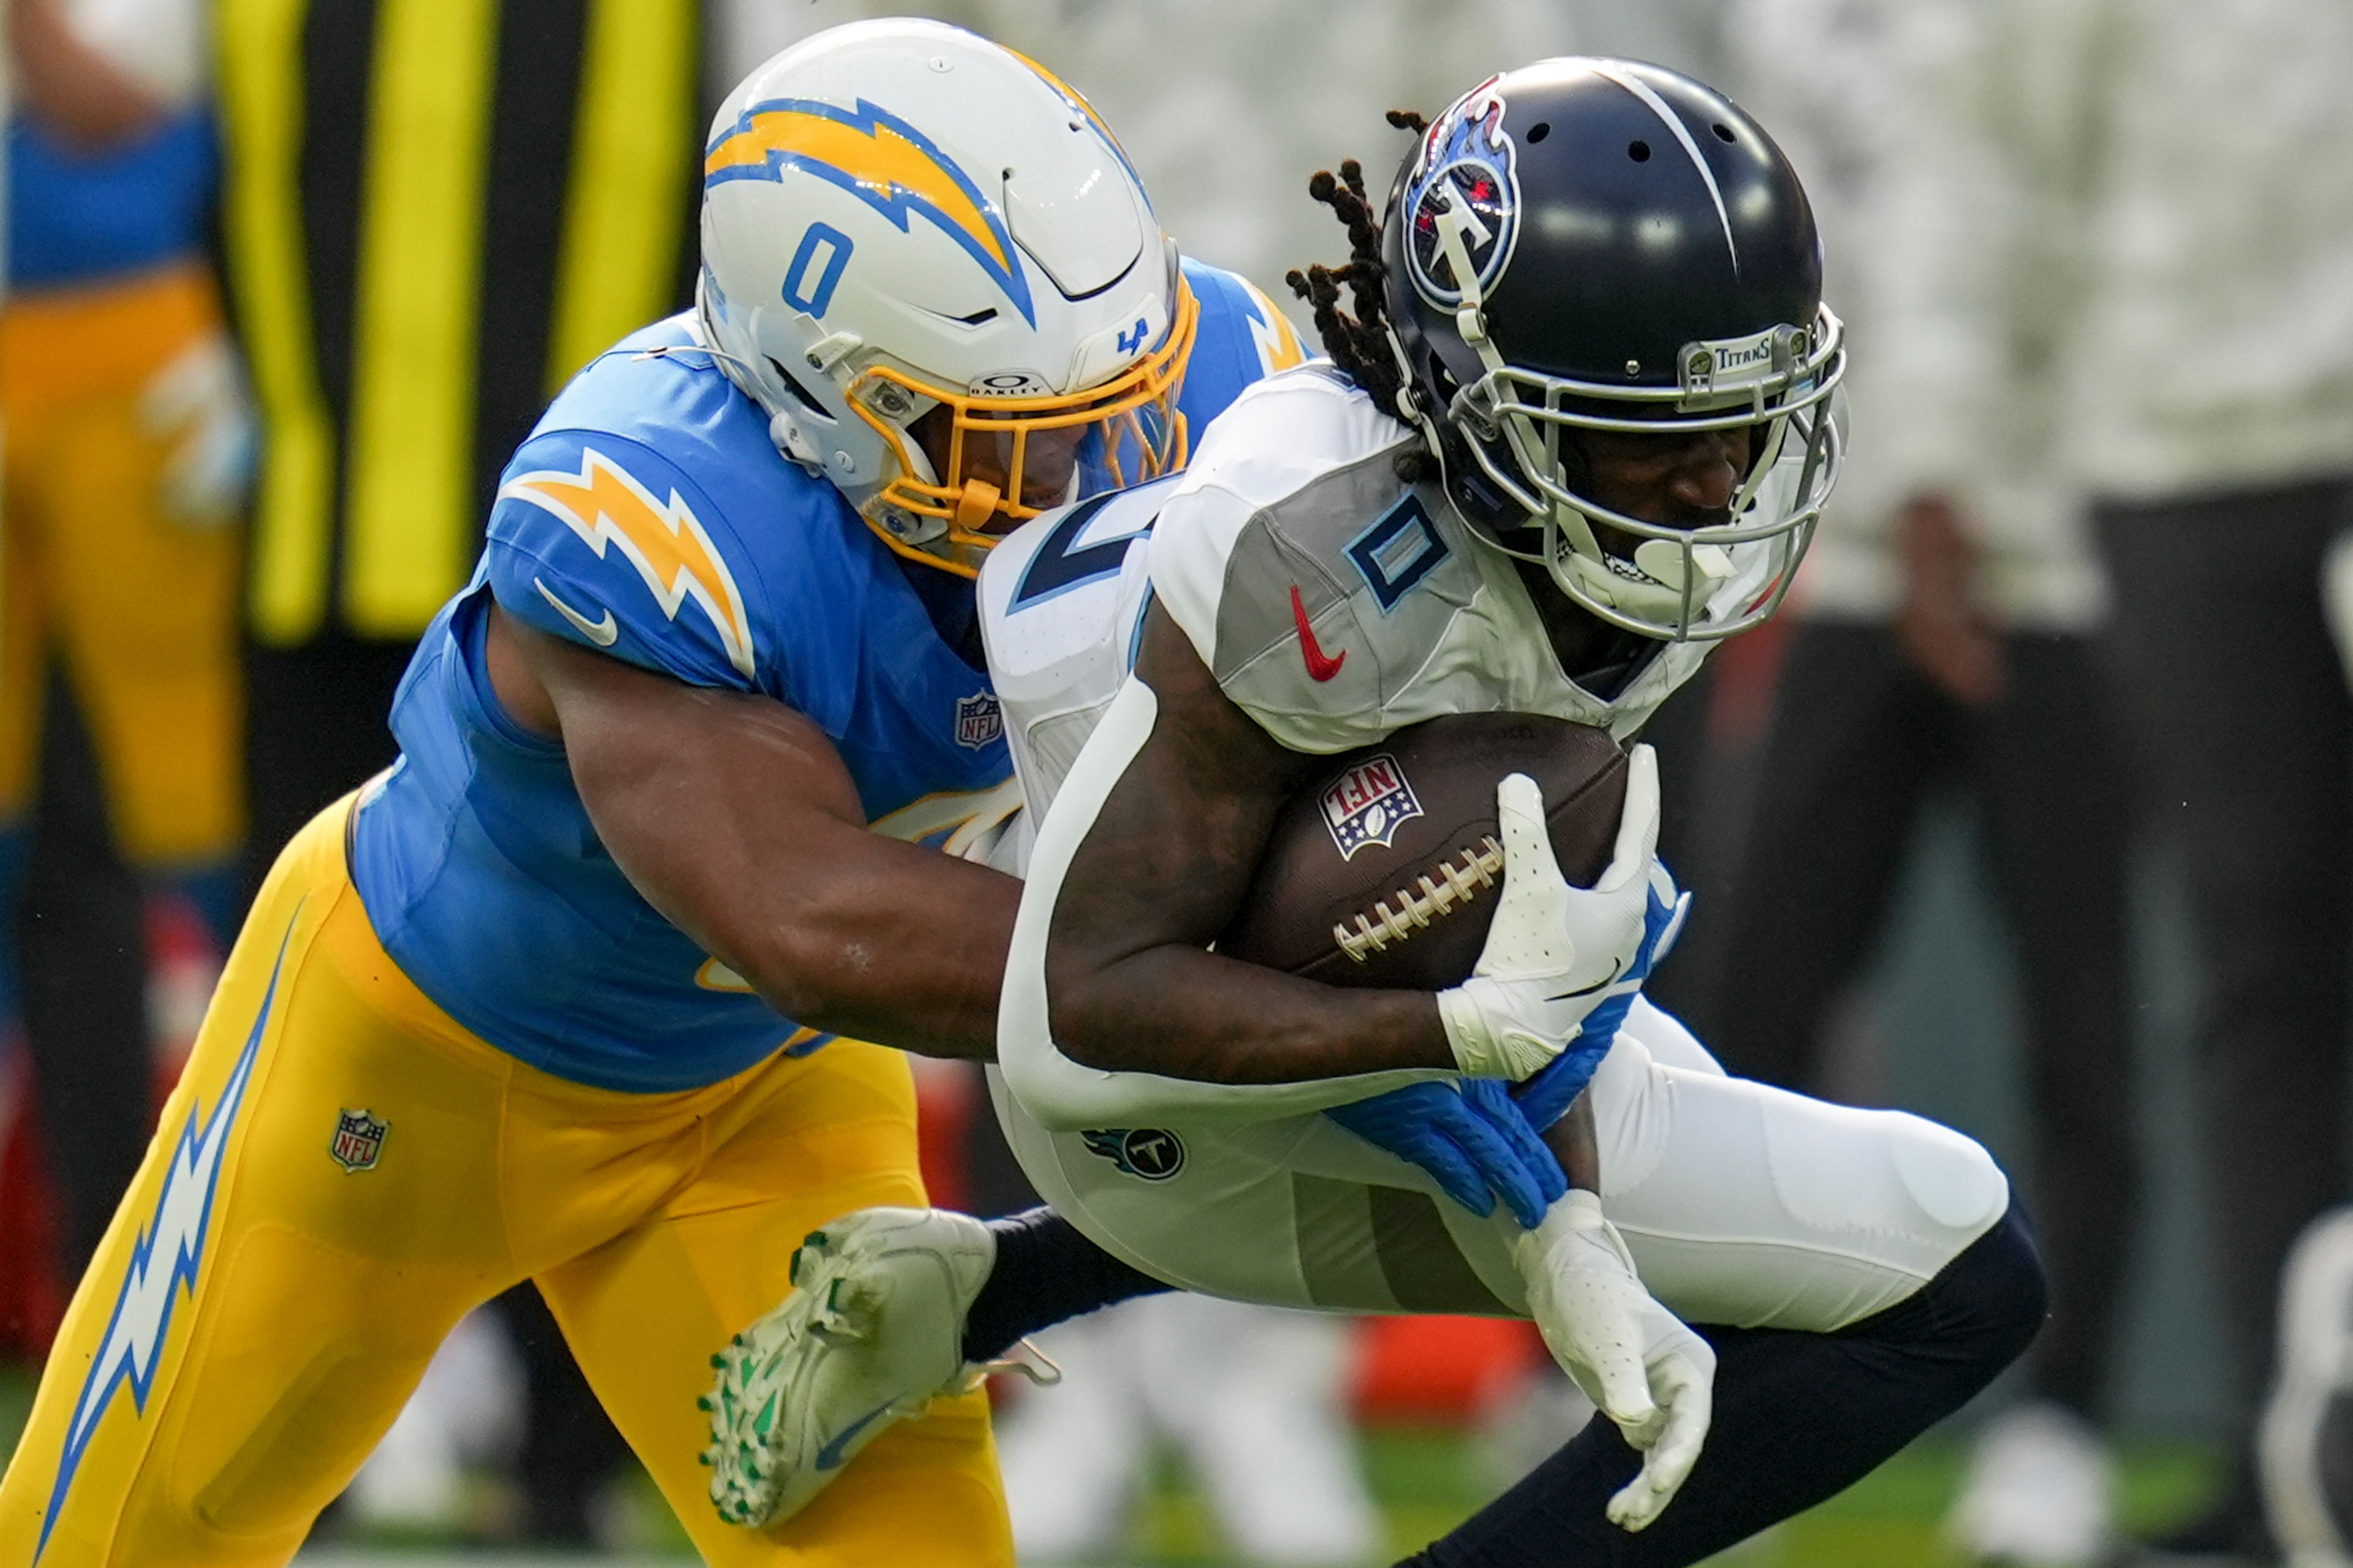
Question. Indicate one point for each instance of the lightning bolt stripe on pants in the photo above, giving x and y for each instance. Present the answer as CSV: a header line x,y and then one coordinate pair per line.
x,y
167,1257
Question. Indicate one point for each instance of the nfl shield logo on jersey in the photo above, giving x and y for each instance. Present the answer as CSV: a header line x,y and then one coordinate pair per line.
x,y
1367,804
979,720
359,1140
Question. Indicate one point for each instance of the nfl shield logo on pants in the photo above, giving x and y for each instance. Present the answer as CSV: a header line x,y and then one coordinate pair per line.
x,y
359,1140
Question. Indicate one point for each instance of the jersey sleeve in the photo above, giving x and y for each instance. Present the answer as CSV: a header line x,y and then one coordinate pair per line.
x,y
599,540
1308,577
1242,337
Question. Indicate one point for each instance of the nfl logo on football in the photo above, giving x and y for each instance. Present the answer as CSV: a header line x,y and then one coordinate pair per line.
x,y
359,1140
1367,804
979,720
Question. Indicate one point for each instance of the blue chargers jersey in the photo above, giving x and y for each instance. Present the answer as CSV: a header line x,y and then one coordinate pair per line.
x,y
649,517
76,216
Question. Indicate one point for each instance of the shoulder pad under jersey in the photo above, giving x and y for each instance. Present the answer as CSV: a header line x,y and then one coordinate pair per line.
x,y
1061,600
1242,336
620,524
1336,603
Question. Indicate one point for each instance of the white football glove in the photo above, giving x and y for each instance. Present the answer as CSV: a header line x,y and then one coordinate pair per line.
x,y
199,406
1635,1360
1553,951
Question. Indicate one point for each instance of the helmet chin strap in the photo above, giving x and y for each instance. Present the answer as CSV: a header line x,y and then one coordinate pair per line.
x,y
1451,222
788,432
788,435
1657,595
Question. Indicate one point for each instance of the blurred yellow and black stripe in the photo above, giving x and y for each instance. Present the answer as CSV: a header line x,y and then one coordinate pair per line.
x,y
435,211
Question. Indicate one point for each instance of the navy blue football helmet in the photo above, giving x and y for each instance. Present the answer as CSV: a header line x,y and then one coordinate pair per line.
x,y
1603,245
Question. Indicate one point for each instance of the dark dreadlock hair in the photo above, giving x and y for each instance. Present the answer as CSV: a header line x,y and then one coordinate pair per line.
x,y
1359,342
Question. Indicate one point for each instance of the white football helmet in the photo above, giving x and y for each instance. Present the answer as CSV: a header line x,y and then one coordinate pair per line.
x,y
899,217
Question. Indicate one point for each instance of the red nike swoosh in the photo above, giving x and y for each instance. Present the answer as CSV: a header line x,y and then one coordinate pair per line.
x,y
1320,666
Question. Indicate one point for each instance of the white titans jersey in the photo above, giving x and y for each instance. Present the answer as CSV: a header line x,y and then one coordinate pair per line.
x,y
1334,602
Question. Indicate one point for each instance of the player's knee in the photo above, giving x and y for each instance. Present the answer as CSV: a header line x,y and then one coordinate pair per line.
x,y
1986,1307
2016,1292
1955,1183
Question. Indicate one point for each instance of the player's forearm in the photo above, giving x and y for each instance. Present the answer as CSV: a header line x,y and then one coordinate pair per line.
x,y
838,929
1182,1012
736,820
906,950
1575,1141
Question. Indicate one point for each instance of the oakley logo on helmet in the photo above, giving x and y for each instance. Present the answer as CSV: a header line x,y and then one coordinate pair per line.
x,y
1469,164
1007,384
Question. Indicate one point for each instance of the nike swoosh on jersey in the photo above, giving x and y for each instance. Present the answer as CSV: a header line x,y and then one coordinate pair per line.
x,y
608,508
603,633
830,1455
1320,665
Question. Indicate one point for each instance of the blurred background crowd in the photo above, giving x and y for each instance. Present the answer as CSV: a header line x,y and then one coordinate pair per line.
x,y
2030,813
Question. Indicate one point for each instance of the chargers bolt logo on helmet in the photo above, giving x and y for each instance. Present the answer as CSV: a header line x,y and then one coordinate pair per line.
x,y
1466,165
883,162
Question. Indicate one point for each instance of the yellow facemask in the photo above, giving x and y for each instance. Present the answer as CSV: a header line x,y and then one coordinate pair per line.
x,y
1135,414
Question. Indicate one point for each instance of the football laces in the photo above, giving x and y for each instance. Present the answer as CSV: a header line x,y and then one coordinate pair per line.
x,y
1457,881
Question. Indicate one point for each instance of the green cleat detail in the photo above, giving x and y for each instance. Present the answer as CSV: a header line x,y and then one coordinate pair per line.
x,y
870,1334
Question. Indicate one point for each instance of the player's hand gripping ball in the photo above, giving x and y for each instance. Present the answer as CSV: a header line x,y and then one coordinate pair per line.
x,y
1387,869
1470,829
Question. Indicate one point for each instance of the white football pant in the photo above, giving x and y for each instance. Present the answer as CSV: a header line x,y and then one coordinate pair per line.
x,y
1743,1204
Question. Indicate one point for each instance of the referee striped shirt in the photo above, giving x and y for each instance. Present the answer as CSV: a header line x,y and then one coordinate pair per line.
x,y
434,213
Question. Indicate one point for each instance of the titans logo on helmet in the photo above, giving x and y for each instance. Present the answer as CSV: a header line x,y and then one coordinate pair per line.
x,y
1467,163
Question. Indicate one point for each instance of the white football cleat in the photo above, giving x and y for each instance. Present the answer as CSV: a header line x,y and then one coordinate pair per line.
x,y
2039,1493
872,1333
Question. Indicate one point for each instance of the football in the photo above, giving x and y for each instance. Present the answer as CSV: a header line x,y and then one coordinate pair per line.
x,y
1384,870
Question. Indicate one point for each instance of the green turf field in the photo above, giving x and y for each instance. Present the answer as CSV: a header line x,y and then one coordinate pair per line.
x,y
1426,1480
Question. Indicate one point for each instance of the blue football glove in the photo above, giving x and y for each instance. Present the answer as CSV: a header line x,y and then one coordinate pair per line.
x,y
1476,1139
1475,1144
1549,1092
1490,1100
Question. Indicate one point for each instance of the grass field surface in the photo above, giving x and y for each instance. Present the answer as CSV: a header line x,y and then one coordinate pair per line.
x,y
1425,1481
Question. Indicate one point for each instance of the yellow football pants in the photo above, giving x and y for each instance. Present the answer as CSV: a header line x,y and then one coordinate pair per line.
x,y
343,1172
141,609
